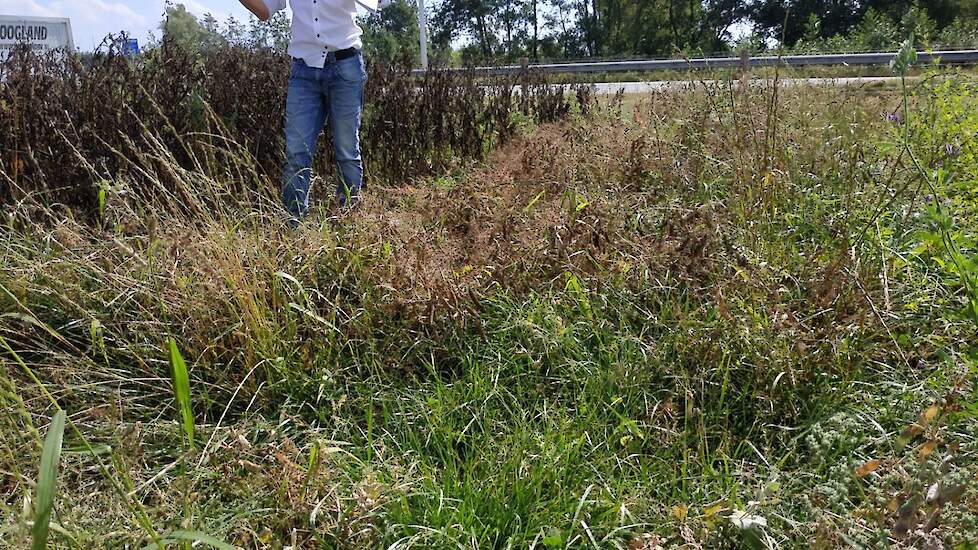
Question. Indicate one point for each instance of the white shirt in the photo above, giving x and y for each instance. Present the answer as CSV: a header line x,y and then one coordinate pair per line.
x,y
320,26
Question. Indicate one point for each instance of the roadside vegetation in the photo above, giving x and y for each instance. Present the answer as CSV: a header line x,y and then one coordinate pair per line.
x,y
727,317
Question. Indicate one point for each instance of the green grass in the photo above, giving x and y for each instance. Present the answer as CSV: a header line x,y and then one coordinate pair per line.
x,y
47,480
627,331
181,391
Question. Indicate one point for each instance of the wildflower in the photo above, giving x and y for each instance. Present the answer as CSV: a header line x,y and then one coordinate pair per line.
x,y
952,149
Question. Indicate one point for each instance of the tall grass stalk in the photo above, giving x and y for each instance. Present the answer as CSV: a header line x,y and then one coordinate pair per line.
x,y
47,481
181,392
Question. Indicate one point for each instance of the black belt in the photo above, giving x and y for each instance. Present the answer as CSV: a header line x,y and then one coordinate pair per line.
x,y
338,55
345,54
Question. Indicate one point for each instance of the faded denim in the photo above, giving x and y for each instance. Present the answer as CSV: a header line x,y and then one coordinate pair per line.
x,y
333,94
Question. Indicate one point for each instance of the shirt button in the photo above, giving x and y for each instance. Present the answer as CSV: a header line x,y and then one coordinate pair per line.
x,y
317,19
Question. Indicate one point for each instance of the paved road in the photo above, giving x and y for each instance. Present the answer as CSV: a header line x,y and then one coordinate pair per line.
x,y
610,88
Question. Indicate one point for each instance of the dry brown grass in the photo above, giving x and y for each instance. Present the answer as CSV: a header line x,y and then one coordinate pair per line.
x,y
708,247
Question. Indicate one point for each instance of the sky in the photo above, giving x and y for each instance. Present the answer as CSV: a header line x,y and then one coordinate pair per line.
x,y
91,20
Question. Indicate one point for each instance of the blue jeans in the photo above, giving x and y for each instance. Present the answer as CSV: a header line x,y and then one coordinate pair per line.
x,y
333,93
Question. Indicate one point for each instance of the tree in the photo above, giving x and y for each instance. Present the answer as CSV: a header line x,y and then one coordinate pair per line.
x,y
259,33
498,30
718,17
573,28
535,10
918,23
474,18
280,32
512,18
212,39
392,34
789,19
234,31
651,27
180,26
876,32
962,33
942,12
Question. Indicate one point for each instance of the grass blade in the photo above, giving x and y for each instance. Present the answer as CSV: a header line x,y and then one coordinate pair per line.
x,y
181,389
190,536
47,479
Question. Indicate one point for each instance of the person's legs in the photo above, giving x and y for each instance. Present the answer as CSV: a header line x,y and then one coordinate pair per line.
x,y
305,113
346,83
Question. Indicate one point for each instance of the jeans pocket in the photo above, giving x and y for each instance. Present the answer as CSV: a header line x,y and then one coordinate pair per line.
x,y
352,69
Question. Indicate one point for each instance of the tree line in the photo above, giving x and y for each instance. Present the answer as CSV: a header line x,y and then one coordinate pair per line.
x,y
488,31
577,29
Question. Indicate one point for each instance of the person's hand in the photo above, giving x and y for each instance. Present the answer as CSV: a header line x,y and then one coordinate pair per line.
x,y
260,9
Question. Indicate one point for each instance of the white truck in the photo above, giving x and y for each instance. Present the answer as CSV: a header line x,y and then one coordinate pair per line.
x,y
38,33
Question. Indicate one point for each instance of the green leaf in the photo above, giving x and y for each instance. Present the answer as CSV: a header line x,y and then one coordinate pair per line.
x,y
181,389
47,480
534,201
191,536
905,58
576,289
313,468
96,450
554,538
101,202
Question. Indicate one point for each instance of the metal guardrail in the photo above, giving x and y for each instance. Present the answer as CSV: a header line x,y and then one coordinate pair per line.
x,y
882,58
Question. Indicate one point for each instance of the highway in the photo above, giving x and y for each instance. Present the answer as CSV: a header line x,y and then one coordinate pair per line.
x,y
946,57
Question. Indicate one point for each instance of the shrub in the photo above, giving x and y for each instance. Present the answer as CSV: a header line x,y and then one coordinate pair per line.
x,y
69,128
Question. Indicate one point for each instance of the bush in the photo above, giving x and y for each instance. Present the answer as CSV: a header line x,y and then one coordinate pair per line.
x,y
70,128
